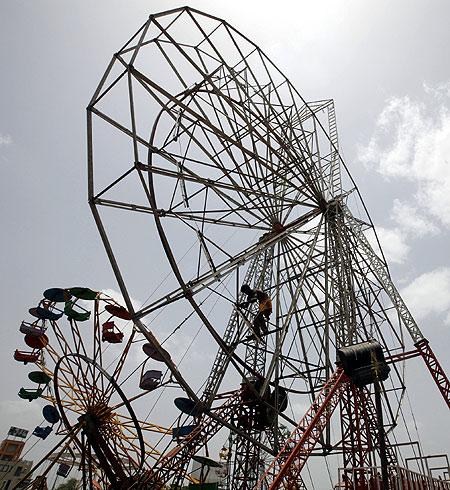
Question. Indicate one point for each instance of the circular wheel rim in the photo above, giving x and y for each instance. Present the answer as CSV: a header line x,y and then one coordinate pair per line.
x,y
115,387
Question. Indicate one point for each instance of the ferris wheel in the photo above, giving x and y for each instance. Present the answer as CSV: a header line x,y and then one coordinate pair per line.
x,y
80,341
201,151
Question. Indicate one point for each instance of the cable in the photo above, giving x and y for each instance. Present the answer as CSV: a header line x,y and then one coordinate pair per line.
x,y
328,471
310,476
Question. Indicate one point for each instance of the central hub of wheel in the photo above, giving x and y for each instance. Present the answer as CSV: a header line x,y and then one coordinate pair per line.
x,y
101,412
277,227
331,208
95,409
96,416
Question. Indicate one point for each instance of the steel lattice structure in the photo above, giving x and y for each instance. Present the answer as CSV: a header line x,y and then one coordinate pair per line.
x,y
203,148
235,146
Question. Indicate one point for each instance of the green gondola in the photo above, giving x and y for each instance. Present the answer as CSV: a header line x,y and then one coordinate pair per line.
x,y
30,395
78,316
83,293
39,377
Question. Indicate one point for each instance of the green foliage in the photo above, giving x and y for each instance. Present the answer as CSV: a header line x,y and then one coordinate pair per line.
x,y
285,432
71,484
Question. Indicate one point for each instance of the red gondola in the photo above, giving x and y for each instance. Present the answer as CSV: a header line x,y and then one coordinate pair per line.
x,y
25,357
36,342
111,334
150,380
119,312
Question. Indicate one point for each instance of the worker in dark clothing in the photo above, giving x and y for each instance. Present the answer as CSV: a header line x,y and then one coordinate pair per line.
x,y
264,308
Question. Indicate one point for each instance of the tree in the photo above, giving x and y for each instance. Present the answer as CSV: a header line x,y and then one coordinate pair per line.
x,y
71,484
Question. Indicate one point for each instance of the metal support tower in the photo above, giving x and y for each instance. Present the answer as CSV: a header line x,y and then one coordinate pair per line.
x,y
335,184
248,461
358,413
360,433
230,337
173,464
286,467
355,432
380,269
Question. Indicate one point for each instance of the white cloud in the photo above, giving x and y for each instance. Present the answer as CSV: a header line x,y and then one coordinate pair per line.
x,y
439,91
117,296
429,294
409,219
5,140
412,141
392,242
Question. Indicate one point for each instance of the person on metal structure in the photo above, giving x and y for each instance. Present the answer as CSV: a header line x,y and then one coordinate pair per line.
x,y
264,308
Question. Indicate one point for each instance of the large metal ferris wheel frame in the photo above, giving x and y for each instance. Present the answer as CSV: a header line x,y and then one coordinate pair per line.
x,y
263,159
187,288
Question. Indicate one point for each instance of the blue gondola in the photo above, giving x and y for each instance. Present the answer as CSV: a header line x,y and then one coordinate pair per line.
x,y
151,352
42,432
51,415
57,295
182,431
188,407
44,313
150,380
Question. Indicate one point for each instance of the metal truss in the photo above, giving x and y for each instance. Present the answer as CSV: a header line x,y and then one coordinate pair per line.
x,y
436,370
242,181
248,458
380,269
286,467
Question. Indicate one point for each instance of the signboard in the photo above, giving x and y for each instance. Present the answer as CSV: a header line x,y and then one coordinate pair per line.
x,y
209,475
16,432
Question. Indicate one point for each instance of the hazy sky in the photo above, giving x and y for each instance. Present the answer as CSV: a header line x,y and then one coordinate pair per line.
x,y
385,64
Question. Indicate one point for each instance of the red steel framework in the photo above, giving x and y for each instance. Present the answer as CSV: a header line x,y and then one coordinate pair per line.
x,y
435,369
286,467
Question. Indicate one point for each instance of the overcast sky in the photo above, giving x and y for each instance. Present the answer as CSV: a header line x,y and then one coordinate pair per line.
x,y
385,64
